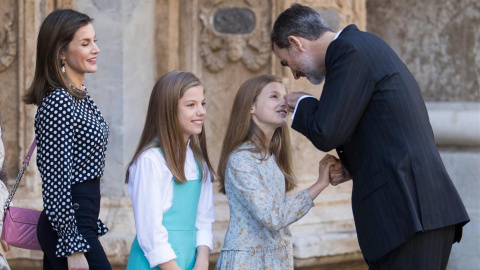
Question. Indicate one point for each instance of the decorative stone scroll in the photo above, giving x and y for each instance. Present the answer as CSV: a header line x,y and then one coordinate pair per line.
x,y
8,45
234,31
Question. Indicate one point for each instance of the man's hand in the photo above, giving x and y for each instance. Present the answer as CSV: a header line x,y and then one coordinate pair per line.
x,y
338,174
77,261
292,98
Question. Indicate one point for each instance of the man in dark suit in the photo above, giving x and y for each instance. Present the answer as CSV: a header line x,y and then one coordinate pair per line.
x,y
407,211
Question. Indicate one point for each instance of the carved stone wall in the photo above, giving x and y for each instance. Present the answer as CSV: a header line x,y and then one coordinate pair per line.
x,y
439,42
3,169
8,70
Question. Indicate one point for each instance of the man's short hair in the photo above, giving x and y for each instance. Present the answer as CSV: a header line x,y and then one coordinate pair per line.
x,y
298,20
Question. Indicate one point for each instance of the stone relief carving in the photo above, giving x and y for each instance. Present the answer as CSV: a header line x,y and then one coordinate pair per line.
x,y
8,44
253,49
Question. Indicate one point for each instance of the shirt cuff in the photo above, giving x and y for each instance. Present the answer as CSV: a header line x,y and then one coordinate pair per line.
x,y
101,228
162,254
298,101
70,243
306,199
205,238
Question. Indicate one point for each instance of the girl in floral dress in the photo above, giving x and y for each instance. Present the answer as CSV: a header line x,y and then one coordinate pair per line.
x,y
255,172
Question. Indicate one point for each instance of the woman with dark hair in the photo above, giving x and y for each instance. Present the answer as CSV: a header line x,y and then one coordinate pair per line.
x,y
72,138
255,172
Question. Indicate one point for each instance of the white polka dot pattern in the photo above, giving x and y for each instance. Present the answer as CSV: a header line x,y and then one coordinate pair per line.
x,y
72,139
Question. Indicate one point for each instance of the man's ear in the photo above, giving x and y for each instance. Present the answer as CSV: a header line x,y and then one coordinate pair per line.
x,y
297,42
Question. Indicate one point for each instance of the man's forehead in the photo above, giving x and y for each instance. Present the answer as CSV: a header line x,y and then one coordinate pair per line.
x,y
280,53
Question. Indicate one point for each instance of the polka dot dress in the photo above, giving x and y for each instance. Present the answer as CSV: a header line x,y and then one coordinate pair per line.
x,y
72,139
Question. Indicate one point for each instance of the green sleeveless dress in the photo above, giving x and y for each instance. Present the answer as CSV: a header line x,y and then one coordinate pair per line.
x,y
180,222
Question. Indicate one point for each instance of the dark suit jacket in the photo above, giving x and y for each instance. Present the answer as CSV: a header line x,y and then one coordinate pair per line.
x,y
372,111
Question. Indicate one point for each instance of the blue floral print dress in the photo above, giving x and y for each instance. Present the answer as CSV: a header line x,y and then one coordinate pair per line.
x,y
260,212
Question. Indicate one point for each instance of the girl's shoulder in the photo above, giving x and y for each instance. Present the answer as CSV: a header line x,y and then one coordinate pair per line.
x,y
152,154
244,153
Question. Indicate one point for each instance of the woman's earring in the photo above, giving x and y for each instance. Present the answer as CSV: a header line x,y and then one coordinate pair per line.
x,y
63,66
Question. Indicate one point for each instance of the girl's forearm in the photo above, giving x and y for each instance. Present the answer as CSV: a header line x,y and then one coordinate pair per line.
x,y
202,256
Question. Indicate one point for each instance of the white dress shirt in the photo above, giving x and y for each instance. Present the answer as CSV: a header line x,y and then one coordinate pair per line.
x,y
150,185
310,96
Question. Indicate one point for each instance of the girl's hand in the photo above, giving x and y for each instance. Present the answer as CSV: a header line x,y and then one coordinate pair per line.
x,y
323,176
170,265
201,262
325,166
77,261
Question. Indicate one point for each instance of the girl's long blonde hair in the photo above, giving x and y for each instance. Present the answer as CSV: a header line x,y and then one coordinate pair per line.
x,y
241,128
163,130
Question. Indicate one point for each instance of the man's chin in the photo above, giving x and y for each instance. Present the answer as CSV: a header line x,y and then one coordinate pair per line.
x,y
316,79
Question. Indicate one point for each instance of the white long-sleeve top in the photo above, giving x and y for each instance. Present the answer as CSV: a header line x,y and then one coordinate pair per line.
x,y
150,185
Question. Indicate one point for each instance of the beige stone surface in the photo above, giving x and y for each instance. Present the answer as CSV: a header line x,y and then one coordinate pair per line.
x,y
9,95
439,42
2,149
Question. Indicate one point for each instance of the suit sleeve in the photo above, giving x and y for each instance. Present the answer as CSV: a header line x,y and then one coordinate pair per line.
x,y
331,121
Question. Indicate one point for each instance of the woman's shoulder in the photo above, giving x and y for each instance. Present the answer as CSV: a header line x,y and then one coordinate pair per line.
x,y
59,102
59,95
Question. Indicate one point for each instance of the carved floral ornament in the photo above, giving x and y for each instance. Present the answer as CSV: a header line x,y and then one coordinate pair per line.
x,y
8,45
234,31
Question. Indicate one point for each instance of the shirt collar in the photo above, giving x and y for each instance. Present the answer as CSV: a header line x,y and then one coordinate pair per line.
x,y
338,34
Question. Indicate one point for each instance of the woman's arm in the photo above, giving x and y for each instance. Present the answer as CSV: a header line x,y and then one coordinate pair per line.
x,y
55,139
77,261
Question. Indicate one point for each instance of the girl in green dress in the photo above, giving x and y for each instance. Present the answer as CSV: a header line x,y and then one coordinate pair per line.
x,y
169,180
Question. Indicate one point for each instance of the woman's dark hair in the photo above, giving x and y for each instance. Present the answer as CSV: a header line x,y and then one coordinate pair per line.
x,y
299,21
56,32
